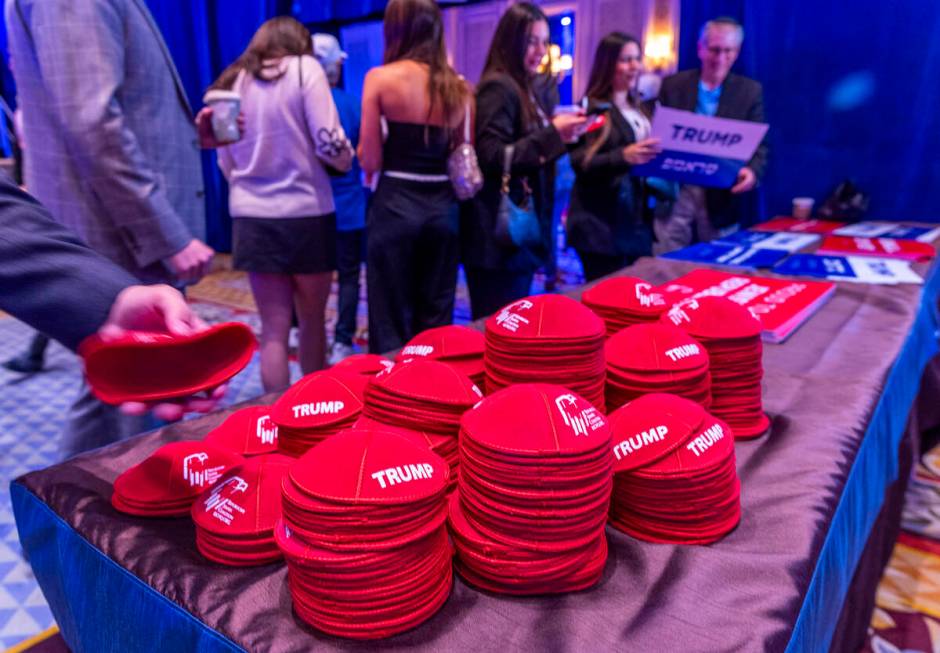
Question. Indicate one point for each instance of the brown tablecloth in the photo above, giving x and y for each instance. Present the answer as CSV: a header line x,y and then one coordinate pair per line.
x,y
741,594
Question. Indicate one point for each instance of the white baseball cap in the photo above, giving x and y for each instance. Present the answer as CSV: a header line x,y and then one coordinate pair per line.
x,y
326,49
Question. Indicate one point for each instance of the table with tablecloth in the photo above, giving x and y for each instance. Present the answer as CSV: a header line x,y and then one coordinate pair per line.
x,y
839,393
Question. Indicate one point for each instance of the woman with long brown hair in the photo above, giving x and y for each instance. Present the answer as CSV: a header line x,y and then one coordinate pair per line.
x,y
510,114
412,228
284,226
605,221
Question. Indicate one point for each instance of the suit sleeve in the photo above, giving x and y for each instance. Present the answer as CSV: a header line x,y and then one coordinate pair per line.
x,y
80,50
332,146
755,113
498,110
48,278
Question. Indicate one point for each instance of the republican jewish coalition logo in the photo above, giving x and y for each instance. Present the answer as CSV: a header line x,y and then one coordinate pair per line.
x,y
647,298
581,421
196,472
221,501
510,317
266,430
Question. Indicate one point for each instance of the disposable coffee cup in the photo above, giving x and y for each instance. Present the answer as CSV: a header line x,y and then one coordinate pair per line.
x,y
802,207
225,107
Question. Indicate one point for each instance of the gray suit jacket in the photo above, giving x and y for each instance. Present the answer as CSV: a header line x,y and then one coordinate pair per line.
x,y
111,149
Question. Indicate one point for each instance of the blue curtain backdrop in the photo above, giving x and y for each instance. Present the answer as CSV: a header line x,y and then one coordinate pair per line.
x,y
851,90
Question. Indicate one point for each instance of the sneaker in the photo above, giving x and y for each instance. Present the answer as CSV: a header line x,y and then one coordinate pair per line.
x,y
339,351
24,363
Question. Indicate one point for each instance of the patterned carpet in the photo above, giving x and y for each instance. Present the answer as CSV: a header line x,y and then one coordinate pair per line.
x,y
907,617
907,612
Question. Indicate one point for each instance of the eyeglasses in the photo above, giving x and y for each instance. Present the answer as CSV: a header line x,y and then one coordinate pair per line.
x,y
716,51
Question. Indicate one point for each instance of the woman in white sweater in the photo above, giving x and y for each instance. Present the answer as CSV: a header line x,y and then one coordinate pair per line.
x,y
284,225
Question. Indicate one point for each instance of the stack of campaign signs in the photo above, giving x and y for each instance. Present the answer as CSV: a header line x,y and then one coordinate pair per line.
x,y
781,305
892,230
459,346
746,249
859,269
319,405
675,479
656,358
235,518
546,339
529,513
169,480
732,337
364,534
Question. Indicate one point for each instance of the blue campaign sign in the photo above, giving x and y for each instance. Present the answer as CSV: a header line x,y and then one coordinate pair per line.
x,y
701,150
727,254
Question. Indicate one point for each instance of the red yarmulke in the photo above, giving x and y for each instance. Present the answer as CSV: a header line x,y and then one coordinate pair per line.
x,y
423,379
320,399
444,343
246,501
365,364
536,419
174,475
147,367
655,346
365,466
248,431
651,427
713,318
545,317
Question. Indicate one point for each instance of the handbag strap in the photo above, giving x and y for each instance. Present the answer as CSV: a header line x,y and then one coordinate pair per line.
x,y
507,167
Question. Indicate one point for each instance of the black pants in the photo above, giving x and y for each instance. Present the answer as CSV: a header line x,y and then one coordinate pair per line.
x,y
490,290
600,265
350,253
412,249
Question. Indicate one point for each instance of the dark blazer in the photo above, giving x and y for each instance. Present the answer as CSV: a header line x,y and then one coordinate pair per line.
x,y
741,98
605,214
499,122
48,278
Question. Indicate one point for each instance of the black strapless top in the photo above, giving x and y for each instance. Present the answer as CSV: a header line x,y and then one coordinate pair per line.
x,y
419,149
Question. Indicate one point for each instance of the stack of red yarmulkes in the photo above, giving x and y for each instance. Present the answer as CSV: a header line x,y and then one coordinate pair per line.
x,y
732,337
535,479
674,477
364,534
656,357
425,396
546,339
318,406
167,483
248,431
622,301
458,346
235,518
365,364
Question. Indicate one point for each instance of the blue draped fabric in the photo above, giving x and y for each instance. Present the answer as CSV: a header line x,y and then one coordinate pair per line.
x,y
850,91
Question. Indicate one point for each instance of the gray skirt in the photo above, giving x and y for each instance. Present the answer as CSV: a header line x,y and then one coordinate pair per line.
x,y
285,245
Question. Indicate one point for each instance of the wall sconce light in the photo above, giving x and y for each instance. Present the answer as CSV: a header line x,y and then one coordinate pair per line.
x,y
658,51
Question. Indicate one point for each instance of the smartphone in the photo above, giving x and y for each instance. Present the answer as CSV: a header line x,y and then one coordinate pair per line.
x,y
598,108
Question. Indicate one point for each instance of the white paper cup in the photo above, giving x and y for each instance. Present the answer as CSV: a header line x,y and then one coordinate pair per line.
x,y
225,107
802,207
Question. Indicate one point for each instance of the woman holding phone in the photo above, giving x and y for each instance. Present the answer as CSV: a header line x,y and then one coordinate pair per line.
x,y
605,217
510,113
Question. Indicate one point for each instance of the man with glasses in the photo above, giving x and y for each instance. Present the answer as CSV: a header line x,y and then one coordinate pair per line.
x,y
701,214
